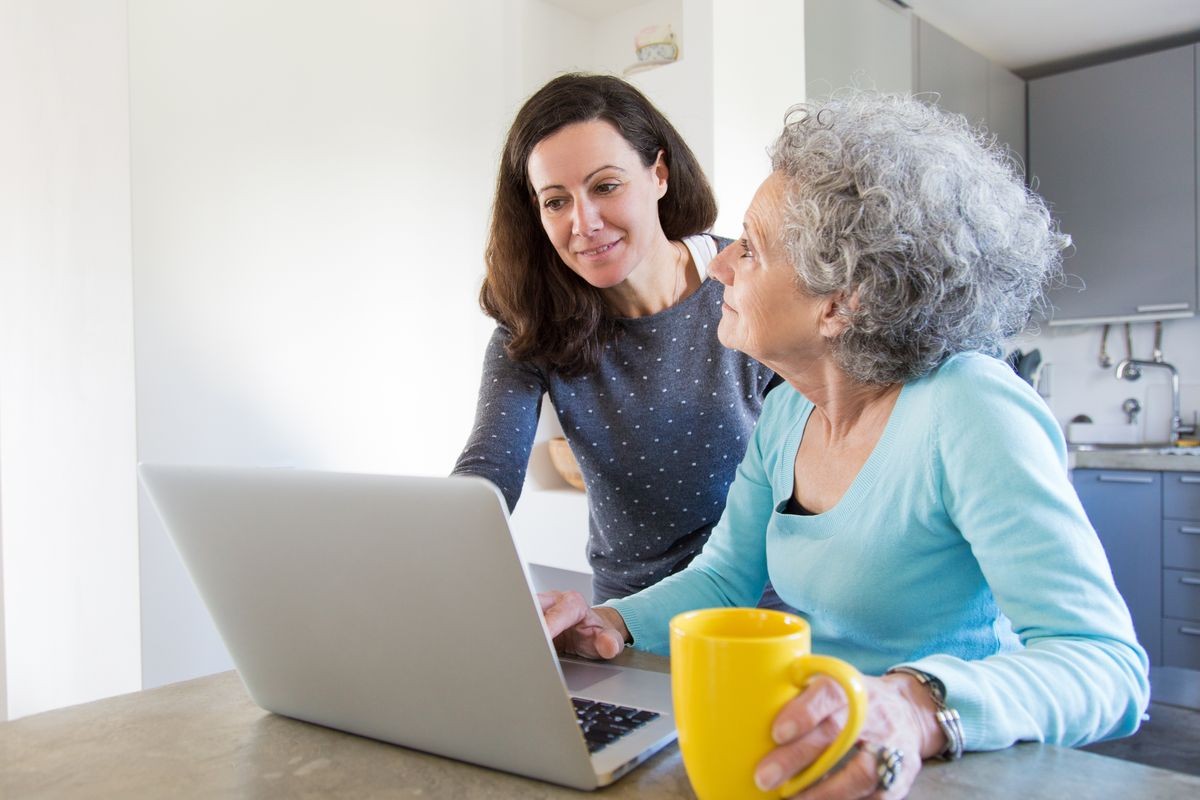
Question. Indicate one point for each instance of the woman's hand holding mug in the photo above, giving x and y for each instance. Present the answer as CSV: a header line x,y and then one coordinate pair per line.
x,y
900,717
732,672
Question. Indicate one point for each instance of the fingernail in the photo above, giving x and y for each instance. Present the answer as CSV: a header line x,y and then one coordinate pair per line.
x,y
767,777
784,732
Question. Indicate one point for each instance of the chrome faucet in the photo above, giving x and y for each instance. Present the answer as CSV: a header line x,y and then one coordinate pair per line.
x,y
1129,369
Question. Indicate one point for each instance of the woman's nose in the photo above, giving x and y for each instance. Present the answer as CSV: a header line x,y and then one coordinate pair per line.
x,y
721,267
585,219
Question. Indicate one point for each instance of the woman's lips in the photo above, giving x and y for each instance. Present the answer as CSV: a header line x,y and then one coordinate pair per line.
x,y
598,251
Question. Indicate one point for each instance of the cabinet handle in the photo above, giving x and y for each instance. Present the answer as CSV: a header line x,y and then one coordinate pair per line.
x,y
1189,479
1190,631
1188,529
1163,307
1105,478
1190,581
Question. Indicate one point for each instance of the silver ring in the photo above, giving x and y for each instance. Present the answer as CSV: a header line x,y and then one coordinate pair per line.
x,y
888,761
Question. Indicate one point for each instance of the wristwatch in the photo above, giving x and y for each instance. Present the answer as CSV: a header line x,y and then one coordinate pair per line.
x,y
947,718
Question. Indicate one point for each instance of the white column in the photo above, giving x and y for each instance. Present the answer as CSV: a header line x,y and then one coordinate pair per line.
x,y
68,527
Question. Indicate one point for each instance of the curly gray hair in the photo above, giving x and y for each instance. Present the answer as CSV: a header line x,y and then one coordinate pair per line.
x,y
921,221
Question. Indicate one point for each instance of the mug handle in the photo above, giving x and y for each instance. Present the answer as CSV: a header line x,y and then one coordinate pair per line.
x,y
803,671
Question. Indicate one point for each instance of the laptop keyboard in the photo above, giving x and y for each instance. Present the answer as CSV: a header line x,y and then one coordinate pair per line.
x,y
604,723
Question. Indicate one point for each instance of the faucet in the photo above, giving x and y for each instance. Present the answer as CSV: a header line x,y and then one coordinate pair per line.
x,y
1129,369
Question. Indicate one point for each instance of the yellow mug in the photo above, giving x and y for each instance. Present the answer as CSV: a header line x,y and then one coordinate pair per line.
x,y
732,671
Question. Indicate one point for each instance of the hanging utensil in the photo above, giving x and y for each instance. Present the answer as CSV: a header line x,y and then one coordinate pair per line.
x,y
1158,353
1132,373
1105,360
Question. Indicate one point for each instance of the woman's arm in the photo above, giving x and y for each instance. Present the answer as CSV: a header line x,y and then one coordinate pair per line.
x,y
731,570
1081,675
506,418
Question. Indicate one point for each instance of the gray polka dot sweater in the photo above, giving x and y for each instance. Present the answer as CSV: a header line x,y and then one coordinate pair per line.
x,y
658,432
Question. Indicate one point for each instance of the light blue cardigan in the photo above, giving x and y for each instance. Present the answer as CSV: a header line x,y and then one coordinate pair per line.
x,y
960,549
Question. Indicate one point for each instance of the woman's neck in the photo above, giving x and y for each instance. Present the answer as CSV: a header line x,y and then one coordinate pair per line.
x,y
665,277
844,405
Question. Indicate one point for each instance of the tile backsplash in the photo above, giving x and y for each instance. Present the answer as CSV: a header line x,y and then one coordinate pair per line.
x,y
1077,384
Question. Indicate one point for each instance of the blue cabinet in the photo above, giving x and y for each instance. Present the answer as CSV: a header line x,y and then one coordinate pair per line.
x,y
1125,508
1149,524
1181,569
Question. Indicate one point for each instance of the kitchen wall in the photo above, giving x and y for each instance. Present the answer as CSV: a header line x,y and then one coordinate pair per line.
x,y
311,185
68,526
1078,385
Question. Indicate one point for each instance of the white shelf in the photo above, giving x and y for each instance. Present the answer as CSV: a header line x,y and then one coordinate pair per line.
x,y
642,66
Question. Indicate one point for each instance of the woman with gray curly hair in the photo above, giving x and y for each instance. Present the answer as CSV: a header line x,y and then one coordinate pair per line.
x,y
905,490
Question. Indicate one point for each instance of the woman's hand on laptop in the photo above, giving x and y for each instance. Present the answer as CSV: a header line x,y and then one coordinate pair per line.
x,y
582,630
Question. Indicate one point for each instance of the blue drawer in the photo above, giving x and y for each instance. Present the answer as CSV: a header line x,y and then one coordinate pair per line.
x,y
1181,494
1181,544
1181,643
1181,594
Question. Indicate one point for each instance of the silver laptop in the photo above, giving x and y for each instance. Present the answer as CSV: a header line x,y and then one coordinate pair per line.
x,y
397,608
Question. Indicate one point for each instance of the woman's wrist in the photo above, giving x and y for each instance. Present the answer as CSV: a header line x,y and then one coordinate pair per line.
x,y
614,618
925,708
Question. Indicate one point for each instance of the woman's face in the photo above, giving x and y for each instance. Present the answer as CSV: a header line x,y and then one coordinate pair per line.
x,y
598,202
764,313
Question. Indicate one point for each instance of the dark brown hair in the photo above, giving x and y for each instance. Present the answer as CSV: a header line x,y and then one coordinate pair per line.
x,y
555,317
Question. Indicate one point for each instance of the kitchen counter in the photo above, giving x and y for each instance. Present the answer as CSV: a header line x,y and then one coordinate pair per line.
x,y
1125,459
206,738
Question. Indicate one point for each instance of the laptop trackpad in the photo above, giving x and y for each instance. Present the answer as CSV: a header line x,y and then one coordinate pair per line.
x,y
580,676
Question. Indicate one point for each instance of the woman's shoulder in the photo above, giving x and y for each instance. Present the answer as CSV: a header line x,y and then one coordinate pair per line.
x,y
968,372
974,387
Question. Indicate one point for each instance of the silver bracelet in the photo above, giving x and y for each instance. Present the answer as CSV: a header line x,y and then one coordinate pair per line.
x,y
947,718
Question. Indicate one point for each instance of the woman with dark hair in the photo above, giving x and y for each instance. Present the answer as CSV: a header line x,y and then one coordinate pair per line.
x,y
597,278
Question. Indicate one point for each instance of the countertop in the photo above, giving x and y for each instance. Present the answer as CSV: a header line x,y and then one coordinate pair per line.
x,y
205,738
1124,459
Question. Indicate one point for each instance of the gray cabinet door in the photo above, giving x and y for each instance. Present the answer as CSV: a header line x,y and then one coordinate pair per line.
x,y
1113,149
954,71
1125,508
1006,110
868,45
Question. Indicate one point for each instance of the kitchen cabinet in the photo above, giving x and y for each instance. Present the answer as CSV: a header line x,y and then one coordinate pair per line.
x,y
1125,508
954,71
1006,110
966,83
875,45
1112,148
1181,570
860,43
1149,524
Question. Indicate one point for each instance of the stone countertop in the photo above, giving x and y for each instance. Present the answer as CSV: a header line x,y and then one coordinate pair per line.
x,y
1124,459
205,738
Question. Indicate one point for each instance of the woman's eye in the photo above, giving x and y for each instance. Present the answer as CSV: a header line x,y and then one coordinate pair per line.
x,y
607,188
554,204
746,251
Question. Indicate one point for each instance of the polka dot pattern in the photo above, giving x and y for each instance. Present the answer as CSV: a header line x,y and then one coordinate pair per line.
x,y
658,433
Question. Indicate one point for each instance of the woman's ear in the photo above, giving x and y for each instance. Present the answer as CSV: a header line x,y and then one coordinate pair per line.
x,y
835,313
661,172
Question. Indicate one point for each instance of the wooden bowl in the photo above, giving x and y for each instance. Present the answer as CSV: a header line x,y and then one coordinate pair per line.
x,y
564,461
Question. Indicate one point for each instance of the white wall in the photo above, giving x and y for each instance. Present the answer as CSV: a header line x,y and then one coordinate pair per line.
x,y
68,526
311,187
758,73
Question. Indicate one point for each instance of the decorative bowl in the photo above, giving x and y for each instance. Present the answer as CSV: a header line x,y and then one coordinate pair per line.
x,y
564,461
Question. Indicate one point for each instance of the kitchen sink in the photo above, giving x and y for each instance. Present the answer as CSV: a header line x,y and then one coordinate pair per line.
x,y
1144,449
